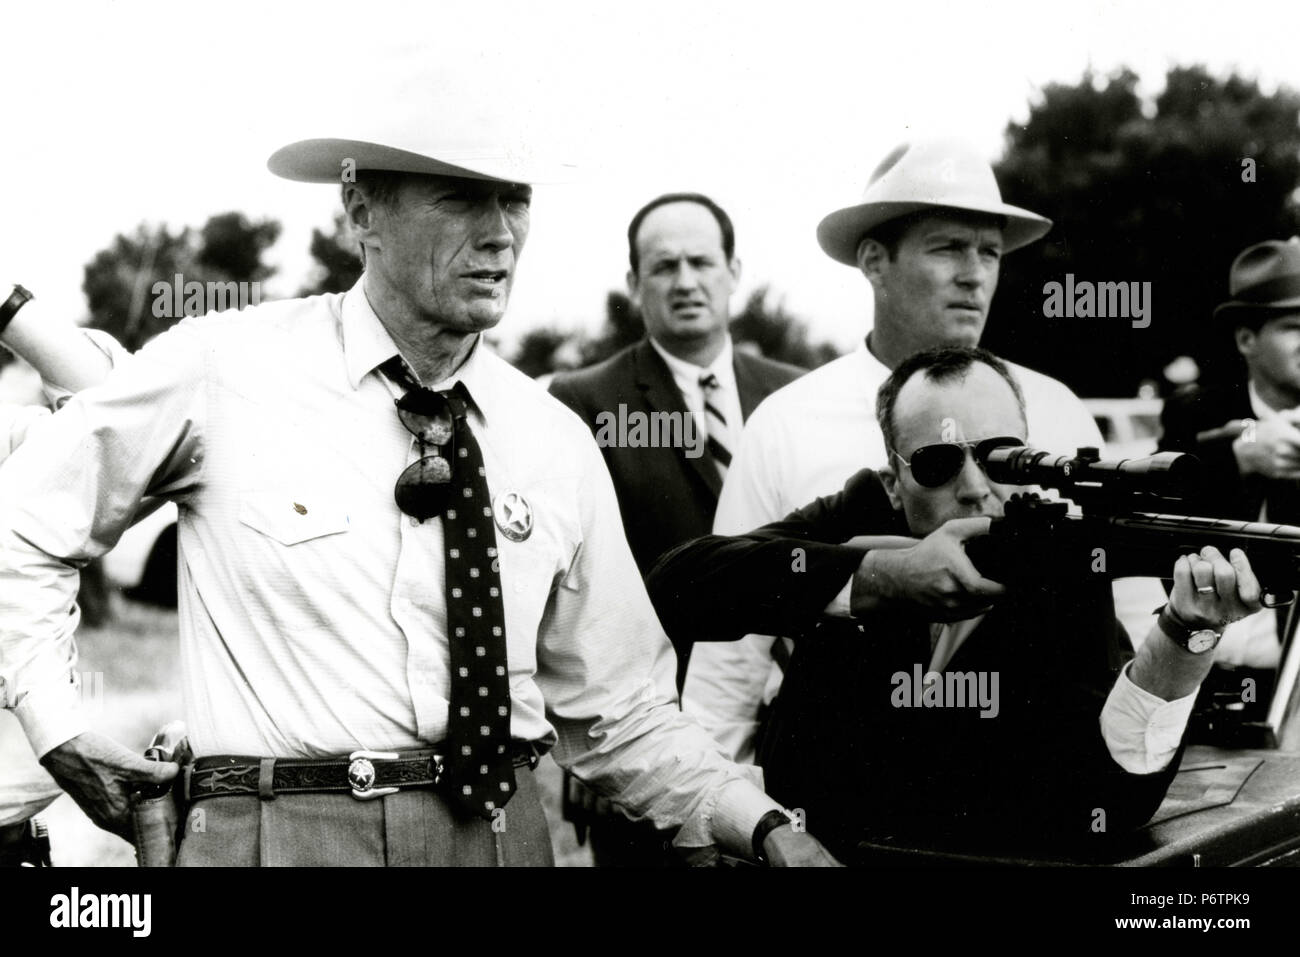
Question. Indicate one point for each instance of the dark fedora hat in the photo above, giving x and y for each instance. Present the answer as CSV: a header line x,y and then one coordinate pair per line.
x,y
1264,279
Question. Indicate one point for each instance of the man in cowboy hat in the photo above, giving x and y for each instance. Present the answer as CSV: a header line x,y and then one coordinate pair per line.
x,y
929,235
1247,435
402,571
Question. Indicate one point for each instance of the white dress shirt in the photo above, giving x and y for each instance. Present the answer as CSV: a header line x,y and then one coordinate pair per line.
x,y
25,787
804,441
311,610
687,375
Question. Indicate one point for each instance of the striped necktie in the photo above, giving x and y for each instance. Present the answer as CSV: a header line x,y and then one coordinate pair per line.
x,y
715,423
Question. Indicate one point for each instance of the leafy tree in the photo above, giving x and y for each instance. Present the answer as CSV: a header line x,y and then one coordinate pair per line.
x,y
542,350
777,333
623,326
338,261
1153,192
119,281
763,322
231,248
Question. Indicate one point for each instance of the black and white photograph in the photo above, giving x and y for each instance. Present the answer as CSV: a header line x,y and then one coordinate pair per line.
x,y
886,458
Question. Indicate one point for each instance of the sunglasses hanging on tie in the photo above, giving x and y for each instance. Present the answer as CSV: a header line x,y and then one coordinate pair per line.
x,y
424,487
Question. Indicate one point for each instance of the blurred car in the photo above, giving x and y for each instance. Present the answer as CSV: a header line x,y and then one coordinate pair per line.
x,y
1129,427
143,564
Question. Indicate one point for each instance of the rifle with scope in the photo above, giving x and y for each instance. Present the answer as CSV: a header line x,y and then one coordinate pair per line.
x,y
1128,523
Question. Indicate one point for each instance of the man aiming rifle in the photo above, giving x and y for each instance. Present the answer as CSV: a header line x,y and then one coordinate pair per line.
x,y
1081,738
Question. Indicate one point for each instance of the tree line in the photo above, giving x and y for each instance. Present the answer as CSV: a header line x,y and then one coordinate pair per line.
x,y
1164,191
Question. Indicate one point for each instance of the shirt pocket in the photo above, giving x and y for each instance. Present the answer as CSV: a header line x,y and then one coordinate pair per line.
x,y
288,520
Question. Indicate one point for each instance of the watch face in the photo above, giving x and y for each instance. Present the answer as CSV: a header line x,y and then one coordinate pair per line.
x,y
1199,642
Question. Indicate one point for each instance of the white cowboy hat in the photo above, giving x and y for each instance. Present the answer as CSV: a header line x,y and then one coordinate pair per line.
x,y
924,175
325,160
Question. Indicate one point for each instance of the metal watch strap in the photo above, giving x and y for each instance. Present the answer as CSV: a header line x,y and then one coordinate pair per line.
x,y
17,299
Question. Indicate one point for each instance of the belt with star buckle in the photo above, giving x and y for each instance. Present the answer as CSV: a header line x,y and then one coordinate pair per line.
x,y
364,774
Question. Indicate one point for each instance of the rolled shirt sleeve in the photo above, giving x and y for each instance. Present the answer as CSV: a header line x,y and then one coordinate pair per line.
x,y
66,495
58,395
1142,730
607,673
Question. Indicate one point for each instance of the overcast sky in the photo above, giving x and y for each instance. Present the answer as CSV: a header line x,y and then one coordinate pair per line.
x,y
119,112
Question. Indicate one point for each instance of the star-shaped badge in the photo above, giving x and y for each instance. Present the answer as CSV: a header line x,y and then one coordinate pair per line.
x,y
514,516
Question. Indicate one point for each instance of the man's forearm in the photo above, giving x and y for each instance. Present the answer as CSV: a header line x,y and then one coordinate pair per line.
x,y
65,497
721,588
726,820
665,767
46,698
66,358
1167,670
1147,710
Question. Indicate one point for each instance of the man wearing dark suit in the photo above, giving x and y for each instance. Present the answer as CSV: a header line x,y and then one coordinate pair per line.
x,y
1247,435
688,391
683,272
1040,729
1245,432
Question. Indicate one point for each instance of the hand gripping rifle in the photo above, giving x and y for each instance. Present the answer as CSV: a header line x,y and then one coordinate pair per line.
x,y
1125,526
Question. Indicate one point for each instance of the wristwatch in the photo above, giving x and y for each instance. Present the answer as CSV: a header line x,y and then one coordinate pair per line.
x,y
768,823
1196,640
17,299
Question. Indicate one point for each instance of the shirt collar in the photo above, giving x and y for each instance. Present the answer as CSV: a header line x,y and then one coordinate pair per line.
x,y
869,358
367,345
688,372
476,373
1263,411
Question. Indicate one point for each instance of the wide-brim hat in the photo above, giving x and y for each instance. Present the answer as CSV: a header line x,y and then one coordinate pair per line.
x,y
927,175
1264,278
325,160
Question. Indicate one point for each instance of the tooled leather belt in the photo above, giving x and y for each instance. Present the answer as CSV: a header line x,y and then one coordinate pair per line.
x,y
364,774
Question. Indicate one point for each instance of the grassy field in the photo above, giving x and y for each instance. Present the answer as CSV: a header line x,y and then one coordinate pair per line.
x,y
138,658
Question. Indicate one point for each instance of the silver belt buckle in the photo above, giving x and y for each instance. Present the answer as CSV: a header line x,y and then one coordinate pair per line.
x,y
361,774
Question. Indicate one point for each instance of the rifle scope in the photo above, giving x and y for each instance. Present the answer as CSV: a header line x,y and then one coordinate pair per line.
x,y
1163,475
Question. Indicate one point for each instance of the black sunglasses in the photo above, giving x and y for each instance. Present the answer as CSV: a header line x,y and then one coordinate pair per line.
x,y
424,487
936,465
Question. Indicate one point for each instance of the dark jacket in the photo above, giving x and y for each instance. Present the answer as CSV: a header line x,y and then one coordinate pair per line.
x,y
665,496
1188,422
837,744
1225,493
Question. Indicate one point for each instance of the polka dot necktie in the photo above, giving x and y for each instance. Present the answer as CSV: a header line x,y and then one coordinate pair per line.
x,y
478,764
